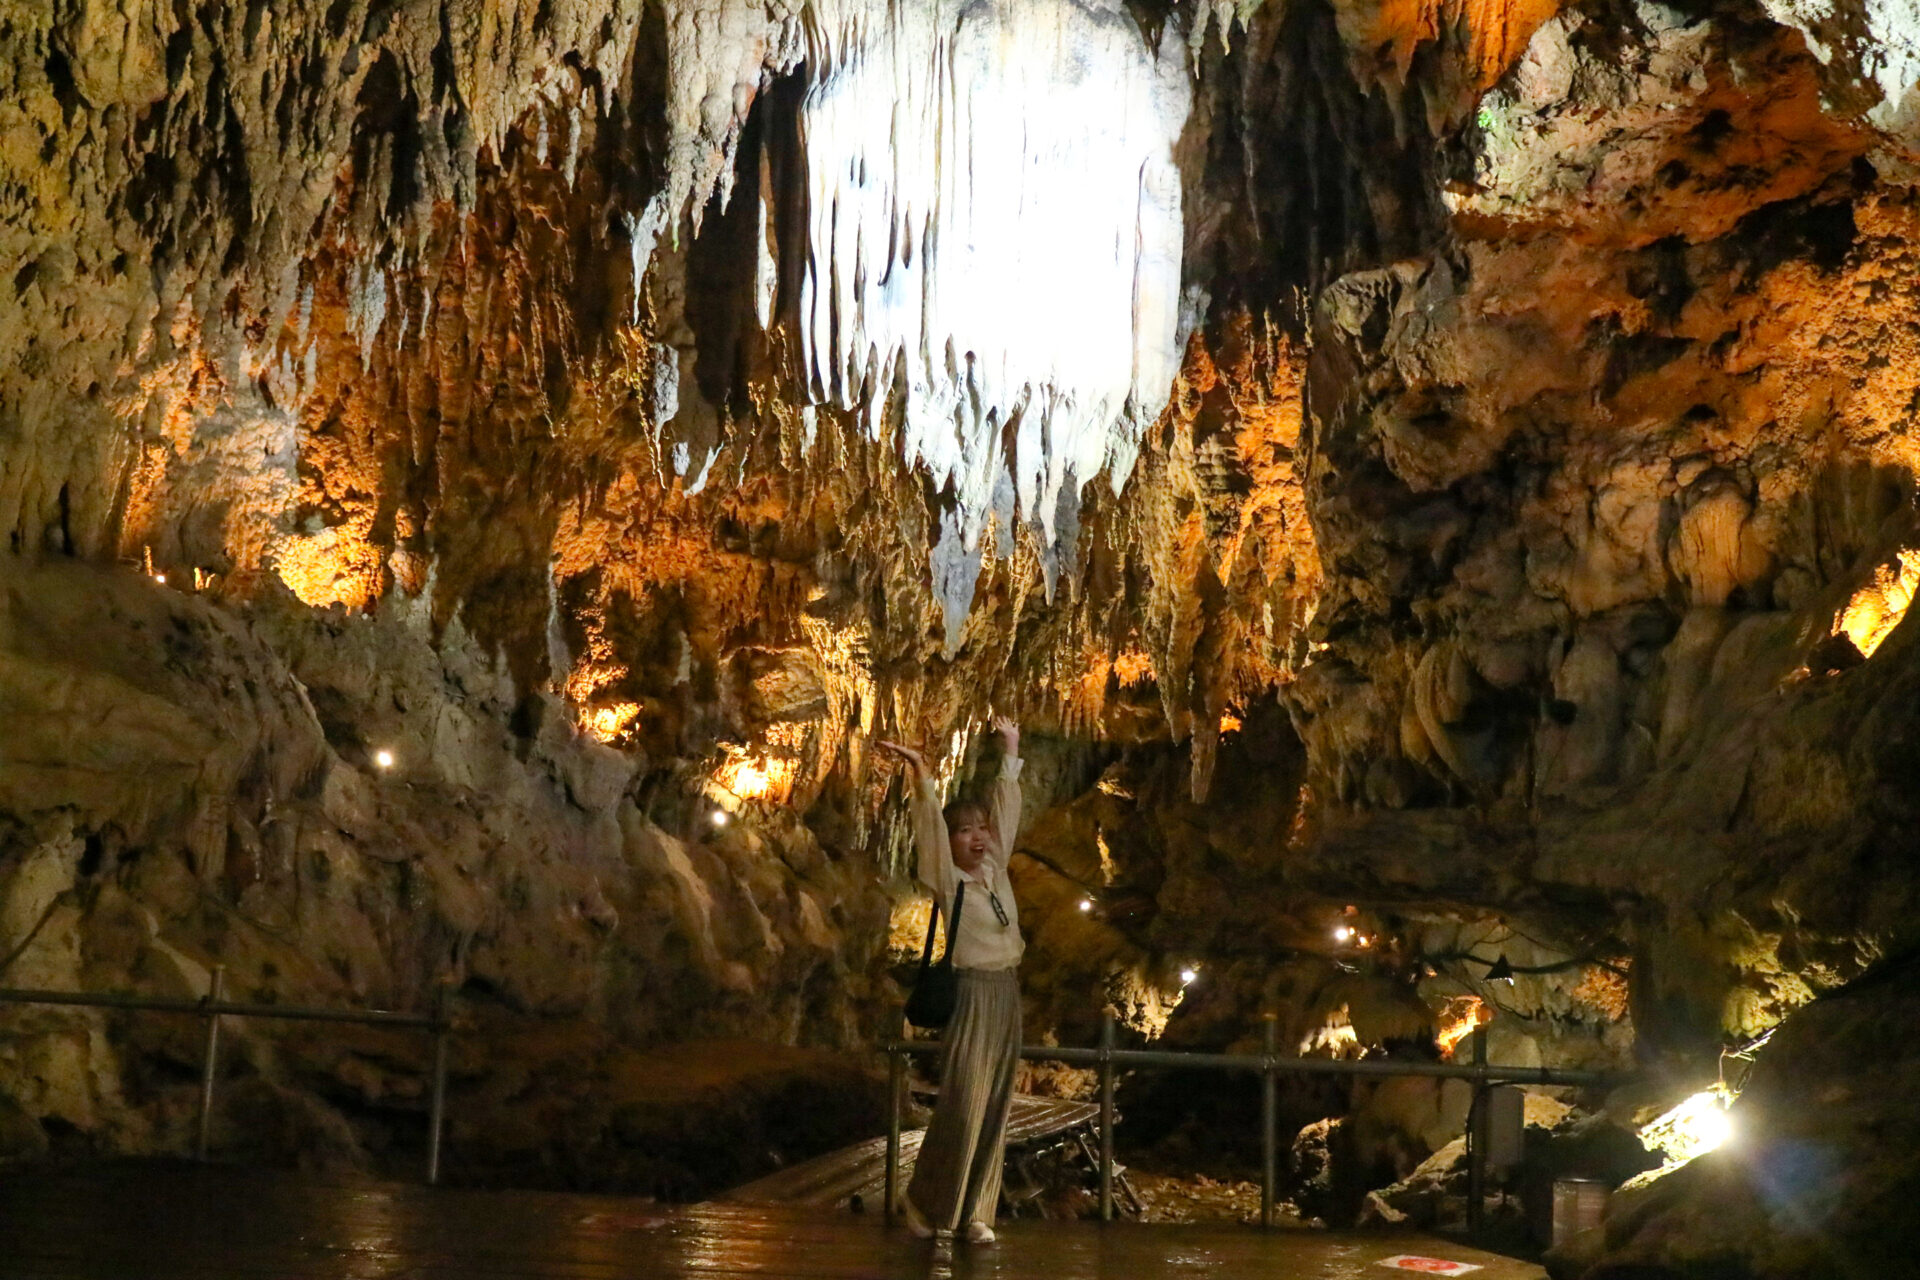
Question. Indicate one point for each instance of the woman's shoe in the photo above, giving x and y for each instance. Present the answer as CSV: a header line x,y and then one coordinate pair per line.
x,y
916,1223
979,1233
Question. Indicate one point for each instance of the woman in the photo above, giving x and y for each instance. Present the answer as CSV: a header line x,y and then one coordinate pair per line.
x,y
956,1181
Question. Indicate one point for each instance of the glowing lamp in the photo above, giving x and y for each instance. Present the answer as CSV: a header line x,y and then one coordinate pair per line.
x,y
1714,1128
1343,933
383,758
1086,904
1187,976
160,578
720,817
1698,1125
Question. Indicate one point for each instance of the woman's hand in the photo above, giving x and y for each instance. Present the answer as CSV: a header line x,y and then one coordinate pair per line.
x,y
1009,731
915,762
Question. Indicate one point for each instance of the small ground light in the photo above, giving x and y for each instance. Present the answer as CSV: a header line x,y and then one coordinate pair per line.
x,y
719,817
1343,933
160,578
1188,975
1086,904
383,758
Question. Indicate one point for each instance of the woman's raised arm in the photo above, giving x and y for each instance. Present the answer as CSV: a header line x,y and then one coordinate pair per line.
x,y
1006,788
933,856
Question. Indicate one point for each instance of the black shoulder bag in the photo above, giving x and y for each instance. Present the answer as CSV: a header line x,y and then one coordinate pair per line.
x,y
930,1005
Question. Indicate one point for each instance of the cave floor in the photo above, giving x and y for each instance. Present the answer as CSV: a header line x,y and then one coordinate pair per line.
x,y
165,1221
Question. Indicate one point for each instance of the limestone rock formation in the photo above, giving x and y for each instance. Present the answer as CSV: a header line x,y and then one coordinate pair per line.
x,y
1436,481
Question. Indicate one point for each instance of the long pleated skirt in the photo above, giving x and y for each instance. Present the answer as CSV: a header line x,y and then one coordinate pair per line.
x,y
956,1179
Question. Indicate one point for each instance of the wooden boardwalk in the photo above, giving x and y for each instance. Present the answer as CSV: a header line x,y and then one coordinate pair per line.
x,y
180,1222
861,1169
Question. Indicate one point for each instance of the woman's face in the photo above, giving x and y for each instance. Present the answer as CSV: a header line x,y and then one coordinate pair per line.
x,y
970,839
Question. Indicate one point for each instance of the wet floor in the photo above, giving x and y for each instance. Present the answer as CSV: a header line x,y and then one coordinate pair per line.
x,y
174,1222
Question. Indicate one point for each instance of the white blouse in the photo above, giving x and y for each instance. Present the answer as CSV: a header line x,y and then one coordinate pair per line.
x,y
983,941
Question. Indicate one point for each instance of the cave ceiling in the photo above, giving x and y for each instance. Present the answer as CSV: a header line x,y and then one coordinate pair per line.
x,y
1130,364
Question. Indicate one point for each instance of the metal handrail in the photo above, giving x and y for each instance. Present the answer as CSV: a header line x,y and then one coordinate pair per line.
x,y
1269,1064
213,1007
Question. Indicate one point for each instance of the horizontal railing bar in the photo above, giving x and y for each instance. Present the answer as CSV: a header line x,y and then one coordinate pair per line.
x,y
225,1008
1260,1063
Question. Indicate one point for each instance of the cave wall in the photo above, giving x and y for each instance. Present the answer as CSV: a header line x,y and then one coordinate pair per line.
x,y
1521,542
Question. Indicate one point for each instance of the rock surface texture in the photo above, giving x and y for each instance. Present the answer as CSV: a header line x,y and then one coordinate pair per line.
x,y
1436,481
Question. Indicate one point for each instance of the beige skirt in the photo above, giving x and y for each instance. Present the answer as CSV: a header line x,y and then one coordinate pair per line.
x,y
956,1179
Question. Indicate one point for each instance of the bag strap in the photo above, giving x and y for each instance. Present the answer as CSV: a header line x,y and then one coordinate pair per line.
x,y
953,925
926,948
933,922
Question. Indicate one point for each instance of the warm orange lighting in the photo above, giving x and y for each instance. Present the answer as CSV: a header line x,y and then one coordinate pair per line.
x,y
745,777
1132,668
1458,1019
749,781
1229,723
335,566
611,721
1876,608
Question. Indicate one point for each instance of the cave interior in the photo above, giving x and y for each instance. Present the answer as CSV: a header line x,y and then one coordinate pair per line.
x,y
1435,483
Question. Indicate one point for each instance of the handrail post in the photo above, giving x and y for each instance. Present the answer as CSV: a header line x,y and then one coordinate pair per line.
x,y
896,1090
1269,1118
1106,1115
1477,1141
209,1063
437,1101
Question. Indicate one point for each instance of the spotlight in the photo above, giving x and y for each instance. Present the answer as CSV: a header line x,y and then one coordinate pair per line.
x,y
1187,976
160,578
1086,904
1363,940
383,758
1698,1125
720,817
1501,970
1343,933
1715,1127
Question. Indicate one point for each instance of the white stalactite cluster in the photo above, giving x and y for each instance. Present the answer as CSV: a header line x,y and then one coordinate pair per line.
x,y
995,229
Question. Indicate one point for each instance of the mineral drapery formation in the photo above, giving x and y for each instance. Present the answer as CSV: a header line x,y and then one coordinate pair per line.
x,y
1437,482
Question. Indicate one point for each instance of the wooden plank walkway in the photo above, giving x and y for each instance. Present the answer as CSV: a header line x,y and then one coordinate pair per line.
x,y
181,1222
861,1169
